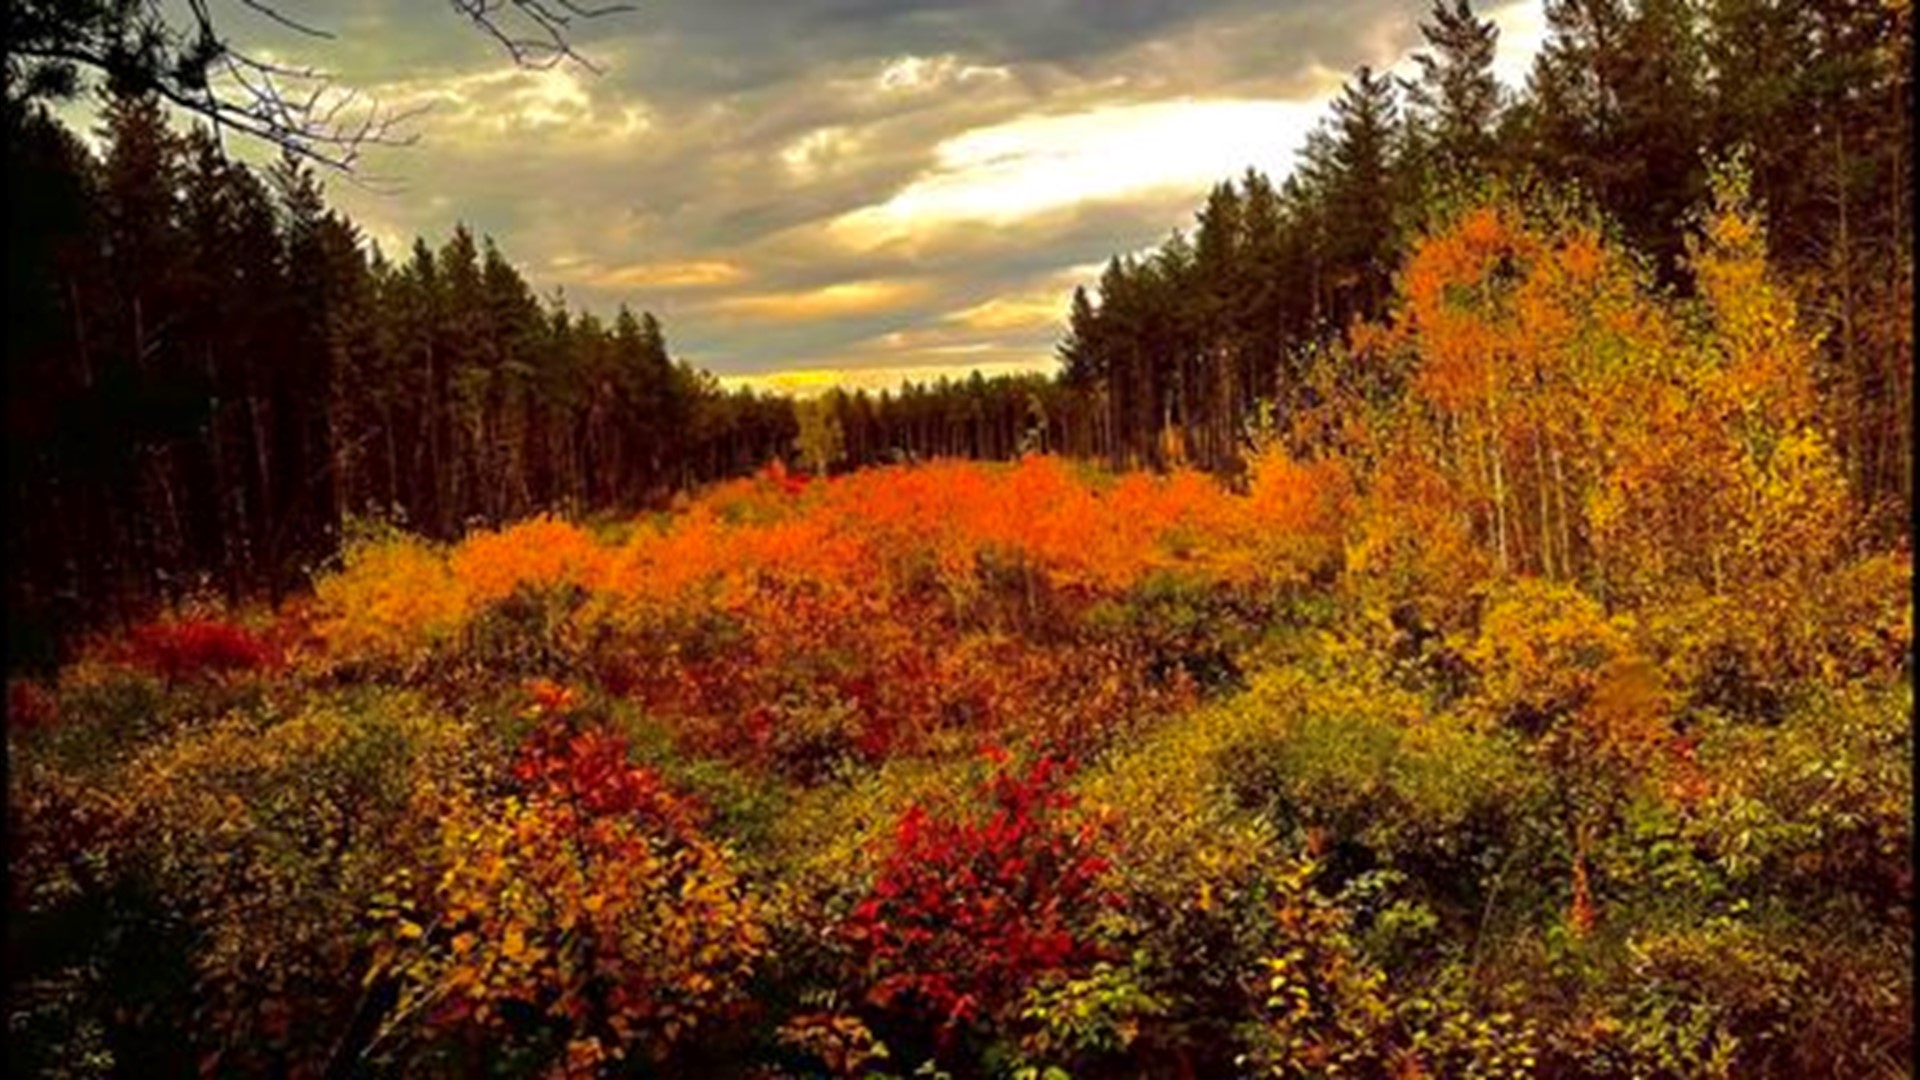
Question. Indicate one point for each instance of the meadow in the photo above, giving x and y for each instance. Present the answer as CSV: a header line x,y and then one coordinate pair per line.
x,y
1535,703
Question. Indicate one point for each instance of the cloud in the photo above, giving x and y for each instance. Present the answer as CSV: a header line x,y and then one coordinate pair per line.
x,y
1037,163
853,186
699,274
1031,311
1523,32
832,301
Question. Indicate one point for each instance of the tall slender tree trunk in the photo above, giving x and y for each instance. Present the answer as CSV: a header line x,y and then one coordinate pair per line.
x,y
1567,566
1546,524
264,512
1859,420
1499,488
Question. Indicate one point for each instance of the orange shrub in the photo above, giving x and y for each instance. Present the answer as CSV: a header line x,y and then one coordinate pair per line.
x,y
539,551
1296,515
876,610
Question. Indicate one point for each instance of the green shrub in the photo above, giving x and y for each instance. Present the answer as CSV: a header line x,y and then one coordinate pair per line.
x,y
1346,761
250,847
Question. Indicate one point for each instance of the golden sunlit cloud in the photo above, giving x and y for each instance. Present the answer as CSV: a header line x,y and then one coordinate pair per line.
x,y
705,273
1026,311
908,73
833,301
508,98
1031,165
488,104
819,150
957,195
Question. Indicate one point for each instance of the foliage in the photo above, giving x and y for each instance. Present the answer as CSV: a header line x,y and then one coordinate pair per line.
x,y
972,907
588,900
1534,703
196,649
1330,1010
269,838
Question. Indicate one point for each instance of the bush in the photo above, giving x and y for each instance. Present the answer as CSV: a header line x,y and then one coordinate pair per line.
x,y
252,847
197,649
1819,808
101,713
973,906
1540,652
391,601
1189,867
1748,654
1710,1003
1329,1009
1175,626
529,632
1338,757
586,918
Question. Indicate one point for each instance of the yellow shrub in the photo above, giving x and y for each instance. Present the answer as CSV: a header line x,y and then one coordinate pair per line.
x,y
1541,649
391,601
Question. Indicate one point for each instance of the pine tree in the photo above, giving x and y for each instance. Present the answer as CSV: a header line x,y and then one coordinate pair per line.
x,y
1358,167
1456,101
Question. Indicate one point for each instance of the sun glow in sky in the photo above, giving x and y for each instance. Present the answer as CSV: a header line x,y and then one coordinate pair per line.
x,y
809,199
1030,165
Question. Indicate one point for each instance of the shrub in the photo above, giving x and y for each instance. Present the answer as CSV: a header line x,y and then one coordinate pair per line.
x,y
1296,514
197,649
586,916
250,848
1180,626
1330,1009
390,602
1340,758
971,908
529,632
1749,653
1716,1001
1540,652
100,714
1085,1025
30,705
1819,807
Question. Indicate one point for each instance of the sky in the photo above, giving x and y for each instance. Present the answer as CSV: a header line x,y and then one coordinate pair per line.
x,y
844,192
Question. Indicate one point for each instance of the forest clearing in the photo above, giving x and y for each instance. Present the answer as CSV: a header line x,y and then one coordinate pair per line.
x,y
1550,718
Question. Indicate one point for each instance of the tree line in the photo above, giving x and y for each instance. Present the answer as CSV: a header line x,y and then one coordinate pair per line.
x,y
210,372
994,419
1630,104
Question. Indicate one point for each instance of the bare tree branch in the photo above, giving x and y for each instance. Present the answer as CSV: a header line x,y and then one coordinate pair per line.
x,y
300,108
548,44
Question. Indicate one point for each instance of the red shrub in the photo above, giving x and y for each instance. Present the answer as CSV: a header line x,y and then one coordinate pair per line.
x,y
588,769
30,705
197,648
969,910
